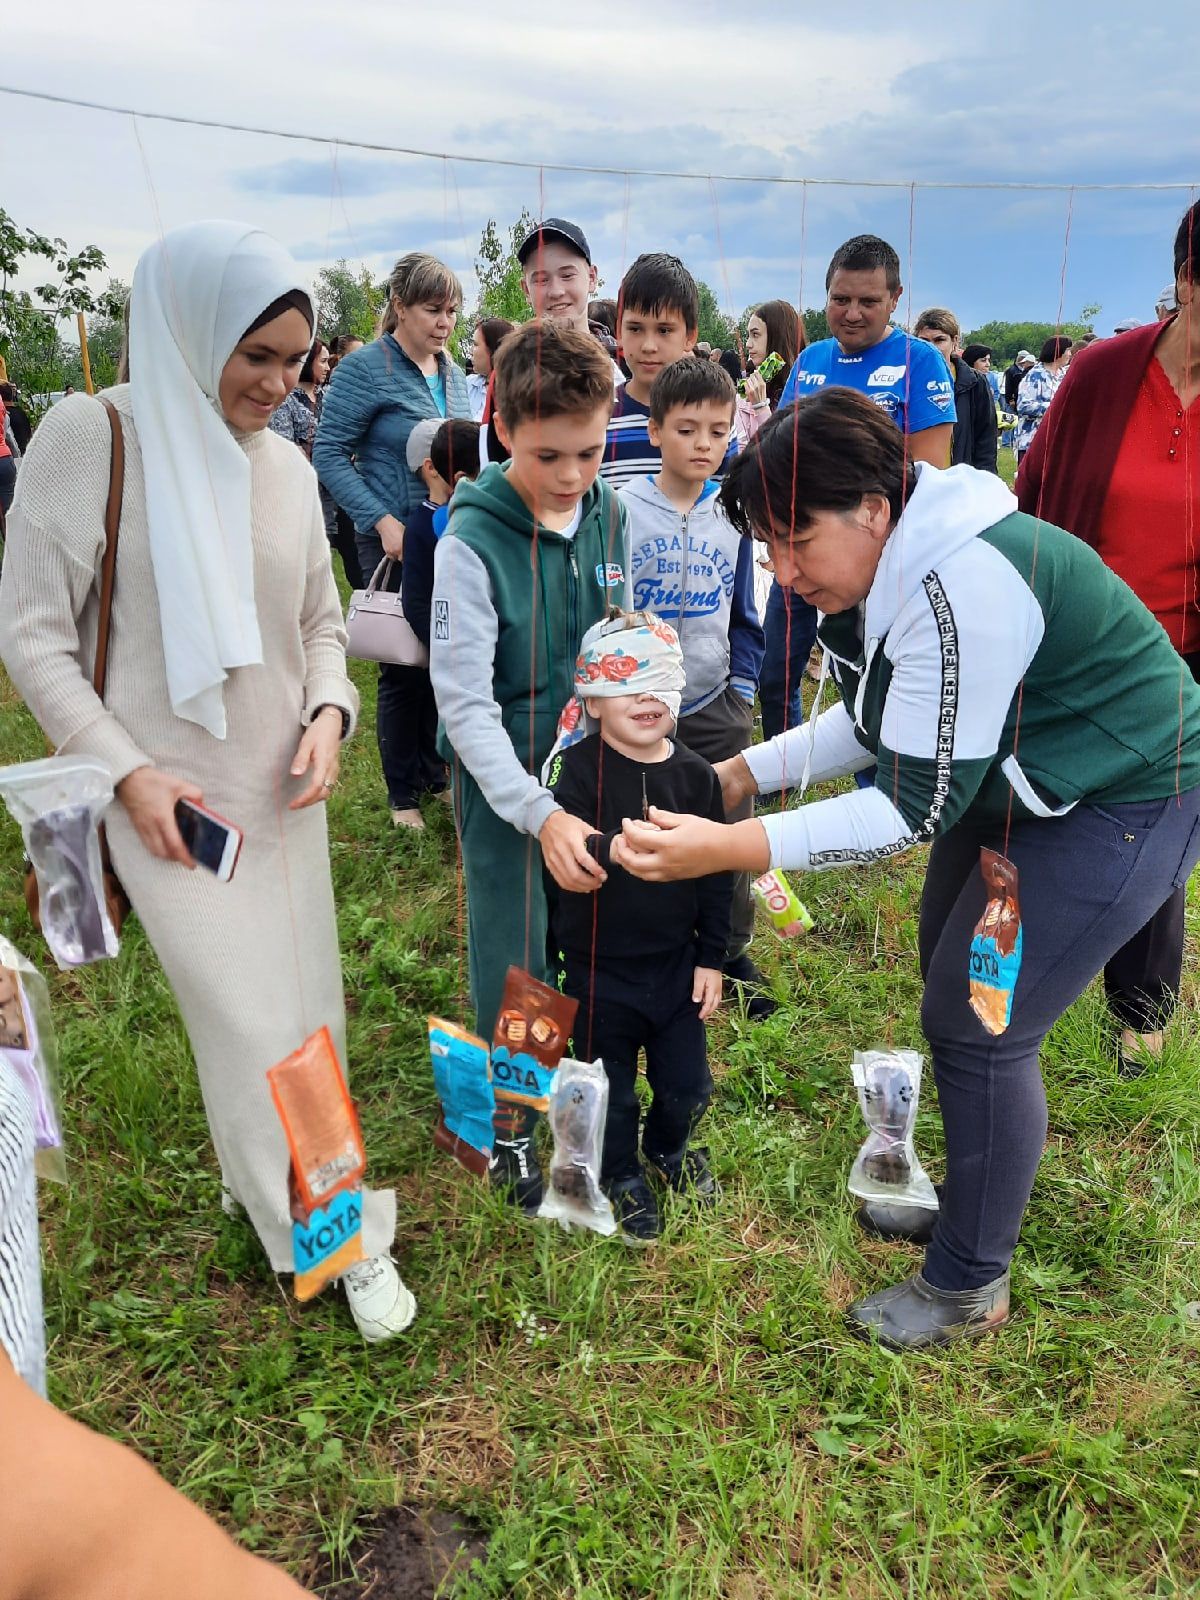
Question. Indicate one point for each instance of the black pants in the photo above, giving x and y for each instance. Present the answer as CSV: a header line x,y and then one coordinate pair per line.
x,y
339,530
643,1004
724,728
1088,881
790,626
345,542
405,715
1142,979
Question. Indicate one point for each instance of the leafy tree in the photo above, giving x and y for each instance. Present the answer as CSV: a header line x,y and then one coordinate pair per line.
x,y
713,326
816,325
105,337
499,272
1006,338
348,301
30,341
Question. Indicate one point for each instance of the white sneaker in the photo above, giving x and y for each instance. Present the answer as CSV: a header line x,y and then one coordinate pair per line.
x,y
408,817
379,1303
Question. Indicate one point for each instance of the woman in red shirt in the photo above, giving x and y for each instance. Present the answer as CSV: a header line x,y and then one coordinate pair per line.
x,y
8,468
1117,461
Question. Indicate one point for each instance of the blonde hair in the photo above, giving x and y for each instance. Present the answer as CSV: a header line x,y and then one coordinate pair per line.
x,y
418,277
941,321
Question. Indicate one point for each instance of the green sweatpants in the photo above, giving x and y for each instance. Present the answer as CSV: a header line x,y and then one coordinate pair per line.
x,y
506,900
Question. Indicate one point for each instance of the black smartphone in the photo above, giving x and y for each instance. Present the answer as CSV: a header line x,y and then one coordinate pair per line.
x,y
212,842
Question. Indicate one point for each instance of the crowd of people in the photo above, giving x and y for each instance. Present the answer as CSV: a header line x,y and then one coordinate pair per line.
x,y
573,530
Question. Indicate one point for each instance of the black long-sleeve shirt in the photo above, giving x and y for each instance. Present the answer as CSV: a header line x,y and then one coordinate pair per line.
x,y
628,917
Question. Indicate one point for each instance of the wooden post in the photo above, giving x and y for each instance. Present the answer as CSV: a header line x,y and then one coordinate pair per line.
x,y
83,351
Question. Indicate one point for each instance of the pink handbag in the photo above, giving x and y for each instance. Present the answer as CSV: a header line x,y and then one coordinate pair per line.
x,y
376,627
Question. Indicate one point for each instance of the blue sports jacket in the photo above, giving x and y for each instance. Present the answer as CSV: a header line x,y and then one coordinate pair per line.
x,y
375,398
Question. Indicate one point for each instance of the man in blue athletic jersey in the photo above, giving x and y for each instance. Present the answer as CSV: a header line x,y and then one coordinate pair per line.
x,y
906,378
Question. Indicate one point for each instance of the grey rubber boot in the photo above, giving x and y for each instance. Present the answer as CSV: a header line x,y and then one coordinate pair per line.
x,y
914,1315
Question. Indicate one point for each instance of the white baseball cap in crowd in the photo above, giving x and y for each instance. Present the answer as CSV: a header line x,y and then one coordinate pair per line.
x,y
419,440
1129,324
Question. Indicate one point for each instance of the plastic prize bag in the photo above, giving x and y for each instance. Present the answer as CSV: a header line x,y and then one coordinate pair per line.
x,y
328,1162
886,1167
578,1107
58,803
532,1028
27,1045
462,1076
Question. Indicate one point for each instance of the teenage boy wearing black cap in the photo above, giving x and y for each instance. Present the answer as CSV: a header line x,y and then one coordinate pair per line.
x,y
557,274
559,279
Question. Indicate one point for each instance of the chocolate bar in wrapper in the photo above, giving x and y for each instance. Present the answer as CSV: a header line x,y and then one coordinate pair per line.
x,y
995,957
530,1038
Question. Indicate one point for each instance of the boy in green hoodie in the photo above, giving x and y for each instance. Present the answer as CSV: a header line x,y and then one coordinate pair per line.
x,y
537,550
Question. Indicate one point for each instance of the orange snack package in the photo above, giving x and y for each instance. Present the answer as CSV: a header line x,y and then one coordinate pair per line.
x,y
320,1122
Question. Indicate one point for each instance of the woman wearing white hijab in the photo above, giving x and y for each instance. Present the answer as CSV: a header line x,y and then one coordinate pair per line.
x,y
226,684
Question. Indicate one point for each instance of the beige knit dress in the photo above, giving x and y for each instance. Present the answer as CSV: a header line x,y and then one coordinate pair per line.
x,y
254,963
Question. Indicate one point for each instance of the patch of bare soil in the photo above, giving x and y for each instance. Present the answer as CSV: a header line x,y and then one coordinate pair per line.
x,y
402,1555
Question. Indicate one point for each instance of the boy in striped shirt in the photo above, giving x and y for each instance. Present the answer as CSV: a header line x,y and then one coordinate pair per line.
x,y
657,321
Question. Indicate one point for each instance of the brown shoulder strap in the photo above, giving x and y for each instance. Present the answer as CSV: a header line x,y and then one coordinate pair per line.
x,y
112,528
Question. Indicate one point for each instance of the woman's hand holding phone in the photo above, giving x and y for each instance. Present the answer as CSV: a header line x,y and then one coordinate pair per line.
x,y
150,797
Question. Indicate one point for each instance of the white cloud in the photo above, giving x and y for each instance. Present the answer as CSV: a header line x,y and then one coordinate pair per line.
x,y
937,91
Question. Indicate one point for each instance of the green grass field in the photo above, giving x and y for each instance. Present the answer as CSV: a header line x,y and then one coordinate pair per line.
x,y
691,1421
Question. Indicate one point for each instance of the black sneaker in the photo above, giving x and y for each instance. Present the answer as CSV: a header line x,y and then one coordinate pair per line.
x,y
515,1171
753,987
688,1174
635,1209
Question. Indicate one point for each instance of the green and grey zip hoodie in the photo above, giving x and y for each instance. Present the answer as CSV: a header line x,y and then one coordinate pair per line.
x,y
996,666
511,603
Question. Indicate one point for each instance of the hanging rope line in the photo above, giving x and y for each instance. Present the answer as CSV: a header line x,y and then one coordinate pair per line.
x,y
574,166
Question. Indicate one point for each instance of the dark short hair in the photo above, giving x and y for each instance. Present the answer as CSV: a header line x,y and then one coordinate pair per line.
x,y
8,393
493,330
1187,244
605,313
306,371
976,352
658,282
731,361
690,381
546,369
864,253
822,453
454,448
1055,347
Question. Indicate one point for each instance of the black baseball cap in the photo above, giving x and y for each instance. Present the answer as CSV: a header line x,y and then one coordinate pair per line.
x,y
554,228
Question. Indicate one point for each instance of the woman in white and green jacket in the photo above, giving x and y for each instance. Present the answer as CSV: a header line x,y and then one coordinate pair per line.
x,y
1013,694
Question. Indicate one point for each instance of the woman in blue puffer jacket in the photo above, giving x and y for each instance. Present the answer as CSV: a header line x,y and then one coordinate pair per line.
x,y
375,399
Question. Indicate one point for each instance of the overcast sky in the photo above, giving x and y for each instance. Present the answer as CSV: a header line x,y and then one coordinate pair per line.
x,y
1057,91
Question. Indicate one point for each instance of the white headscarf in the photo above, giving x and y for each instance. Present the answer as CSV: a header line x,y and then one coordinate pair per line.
x,y
195,293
